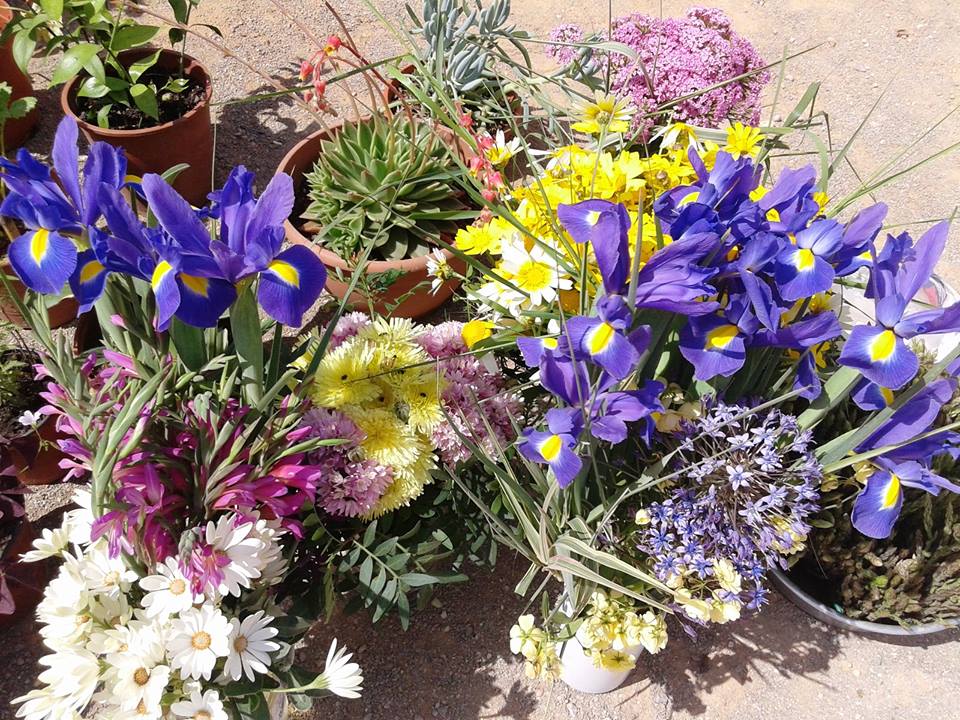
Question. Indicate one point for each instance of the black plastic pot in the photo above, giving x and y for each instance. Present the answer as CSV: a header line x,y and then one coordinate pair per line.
x,y
878,631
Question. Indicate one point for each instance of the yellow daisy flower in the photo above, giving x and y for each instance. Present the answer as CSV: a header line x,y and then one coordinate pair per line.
x,y
743,141
605,114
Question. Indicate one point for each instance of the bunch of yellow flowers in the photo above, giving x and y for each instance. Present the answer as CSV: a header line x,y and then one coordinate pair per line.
x,y
612,632
526,246
385,382
539,651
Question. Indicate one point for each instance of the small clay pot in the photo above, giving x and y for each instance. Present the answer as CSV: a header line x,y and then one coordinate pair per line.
x,y
36,454
25,580
59,315
188,139
17,131
418,304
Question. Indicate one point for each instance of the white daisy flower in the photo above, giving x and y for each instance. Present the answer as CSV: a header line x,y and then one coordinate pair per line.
x,y
501,152
340,676
103,574
139,682
201,705
535,272
198,638
73,675
79,520
44,704
205,706
51,543
250,646
168,591
237,541
64,611
274,563
439,269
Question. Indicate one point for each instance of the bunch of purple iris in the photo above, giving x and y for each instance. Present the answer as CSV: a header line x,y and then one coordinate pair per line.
x,y
194,277
750,484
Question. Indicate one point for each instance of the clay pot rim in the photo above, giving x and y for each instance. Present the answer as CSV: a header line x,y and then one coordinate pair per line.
x,y
68,98
328,257
6,15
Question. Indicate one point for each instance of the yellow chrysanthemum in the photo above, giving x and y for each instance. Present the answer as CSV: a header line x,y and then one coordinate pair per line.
x,y
478,239
343,376
408,482
388,440
422,403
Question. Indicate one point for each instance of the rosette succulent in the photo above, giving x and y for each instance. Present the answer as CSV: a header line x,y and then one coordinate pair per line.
x,y
387,183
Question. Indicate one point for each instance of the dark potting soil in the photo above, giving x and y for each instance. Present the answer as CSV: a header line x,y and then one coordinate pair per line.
x,y
170,106
28,392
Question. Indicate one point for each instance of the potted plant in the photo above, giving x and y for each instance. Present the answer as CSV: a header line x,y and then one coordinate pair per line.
x,y
153,103
18,124
382,194
20,585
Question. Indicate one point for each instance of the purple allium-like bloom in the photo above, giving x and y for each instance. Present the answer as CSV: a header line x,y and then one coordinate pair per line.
x,y
677,57
349,487
474,396
727,506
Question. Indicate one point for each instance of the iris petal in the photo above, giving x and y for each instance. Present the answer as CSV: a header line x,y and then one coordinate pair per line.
x,y
88,279
878,505
880,355
291,284
713,346
43,259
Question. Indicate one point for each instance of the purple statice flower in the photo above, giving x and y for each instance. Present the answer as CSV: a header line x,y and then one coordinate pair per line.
x,y
474,396
738,511
563,54
677,57
350,486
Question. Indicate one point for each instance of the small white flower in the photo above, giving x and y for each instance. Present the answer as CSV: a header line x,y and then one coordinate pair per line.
x,y
439,269
205,706
139,682
79,520
198,638
104,574
30,418
250,646
168,591
44,704
51,543
340,676
501,152
239,542
73,676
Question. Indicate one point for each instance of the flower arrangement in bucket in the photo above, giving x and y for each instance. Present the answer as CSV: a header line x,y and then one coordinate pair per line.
x,y
686,353
169,596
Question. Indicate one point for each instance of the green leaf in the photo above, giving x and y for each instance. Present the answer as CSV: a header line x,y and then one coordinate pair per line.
x,y
54,8
92,88
23,47
177,85
103,115
73,61
20,107
131,36
188,341
248,340
180,10
146,99
141,66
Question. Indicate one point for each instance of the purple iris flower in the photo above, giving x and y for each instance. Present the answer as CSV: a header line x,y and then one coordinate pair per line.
x,y
204,271
604,339
880,351
605,226
557,446
725,188
45,256
877,507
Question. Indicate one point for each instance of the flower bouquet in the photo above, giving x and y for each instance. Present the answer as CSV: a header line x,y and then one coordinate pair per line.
x,y
694,335
169,601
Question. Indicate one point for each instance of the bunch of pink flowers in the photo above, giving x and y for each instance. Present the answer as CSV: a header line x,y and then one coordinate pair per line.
x,y
678,57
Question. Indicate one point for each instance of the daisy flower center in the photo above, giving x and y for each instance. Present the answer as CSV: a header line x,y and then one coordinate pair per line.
x,y
240,644
141,676
111,578
202,715
178,587
533,276
201,640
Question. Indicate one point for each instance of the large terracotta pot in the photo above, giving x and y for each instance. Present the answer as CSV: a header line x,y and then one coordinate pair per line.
x,y
418,304
188,139
59,315
16,131
36,455
25,580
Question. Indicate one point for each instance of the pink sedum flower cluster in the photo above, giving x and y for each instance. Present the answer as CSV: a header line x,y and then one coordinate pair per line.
x,y
681,56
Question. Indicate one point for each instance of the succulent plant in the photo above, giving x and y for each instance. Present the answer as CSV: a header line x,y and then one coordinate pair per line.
x,y
458,41
390,183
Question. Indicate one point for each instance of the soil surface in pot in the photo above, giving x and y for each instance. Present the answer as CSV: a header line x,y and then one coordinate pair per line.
x,y
19,389
170,105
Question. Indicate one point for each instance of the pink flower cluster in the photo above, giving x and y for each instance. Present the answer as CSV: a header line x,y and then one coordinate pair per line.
x,y
474,396
677,57
349,487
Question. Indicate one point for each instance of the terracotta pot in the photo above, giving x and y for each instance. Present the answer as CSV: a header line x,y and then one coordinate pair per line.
x,y
16,132
25,580
418,304
188,139
36,455
59,315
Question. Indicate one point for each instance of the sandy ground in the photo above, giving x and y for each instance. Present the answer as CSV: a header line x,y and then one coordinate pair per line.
x,y
454,662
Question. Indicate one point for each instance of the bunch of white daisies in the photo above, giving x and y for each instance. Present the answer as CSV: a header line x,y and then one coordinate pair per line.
x,y
134,645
